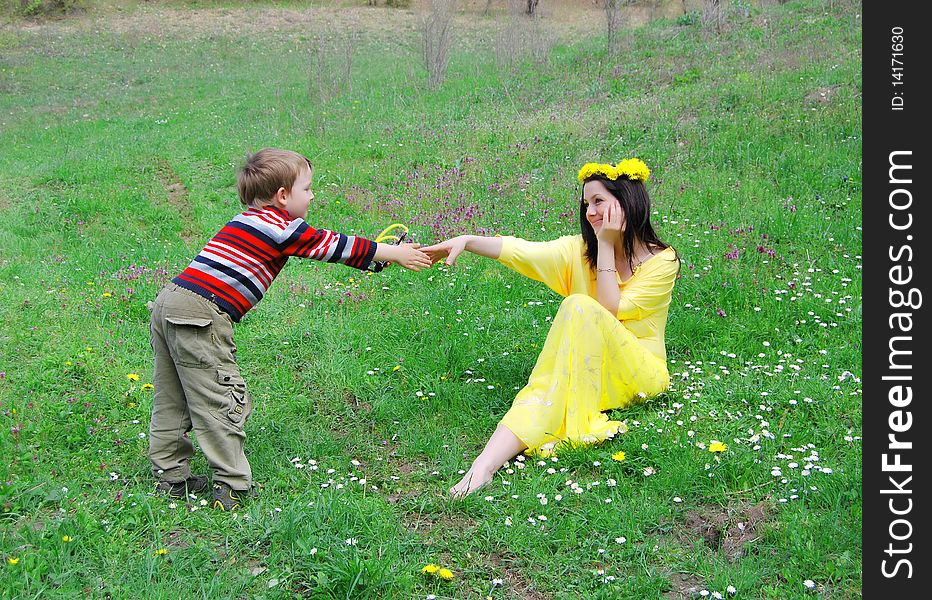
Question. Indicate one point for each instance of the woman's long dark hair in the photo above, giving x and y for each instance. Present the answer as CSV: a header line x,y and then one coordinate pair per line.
x,y
635,203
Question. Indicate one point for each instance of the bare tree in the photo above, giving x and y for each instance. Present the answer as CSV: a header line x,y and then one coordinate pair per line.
x,y
613,19
438,38
713,14
531,7
330,65
521,37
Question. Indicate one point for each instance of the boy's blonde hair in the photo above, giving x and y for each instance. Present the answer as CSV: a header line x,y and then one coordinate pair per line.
x,y
265,172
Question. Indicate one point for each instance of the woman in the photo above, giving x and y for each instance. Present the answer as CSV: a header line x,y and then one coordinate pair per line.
x,y
605,348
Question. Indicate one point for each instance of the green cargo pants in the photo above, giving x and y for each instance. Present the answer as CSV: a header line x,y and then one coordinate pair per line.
x,y
197,386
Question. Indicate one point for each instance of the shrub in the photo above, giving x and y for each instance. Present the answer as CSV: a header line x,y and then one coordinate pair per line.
x,y
688,19
41,8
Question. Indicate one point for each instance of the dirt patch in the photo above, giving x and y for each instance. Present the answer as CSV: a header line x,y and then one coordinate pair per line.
x,y
400,478
729,530
177,539
359,407
440,523
562,19
397,478
515,578
177,198
385,460
685,585
822,95
788,59
399,496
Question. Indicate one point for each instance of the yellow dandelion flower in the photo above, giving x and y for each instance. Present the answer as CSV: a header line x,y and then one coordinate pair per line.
x,y
446,574
67,363
132,405
132,376
430,569
88,349
633,168
619,456
590,169
717,447
66,538
106,295
147,386
396,368
13,560
161,552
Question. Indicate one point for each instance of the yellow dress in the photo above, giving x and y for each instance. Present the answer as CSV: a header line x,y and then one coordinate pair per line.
x,y
592,360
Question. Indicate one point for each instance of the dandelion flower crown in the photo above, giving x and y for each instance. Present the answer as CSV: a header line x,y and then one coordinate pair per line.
x,y
631,168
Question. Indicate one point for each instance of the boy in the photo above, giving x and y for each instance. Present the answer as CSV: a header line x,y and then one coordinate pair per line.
x,y
197,381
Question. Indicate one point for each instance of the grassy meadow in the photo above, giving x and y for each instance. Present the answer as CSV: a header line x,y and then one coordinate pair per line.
x,y
120,133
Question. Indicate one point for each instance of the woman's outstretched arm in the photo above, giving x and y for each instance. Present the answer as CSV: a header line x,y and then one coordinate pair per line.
x,y
490,247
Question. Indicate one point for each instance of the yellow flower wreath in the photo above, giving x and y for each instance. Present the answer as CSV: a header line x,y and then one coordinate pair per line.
x,y
631,168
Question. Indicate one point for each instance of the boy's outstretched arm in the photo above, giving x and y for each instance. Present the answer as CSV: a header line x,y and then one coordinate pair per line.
x,y
406,255
490,247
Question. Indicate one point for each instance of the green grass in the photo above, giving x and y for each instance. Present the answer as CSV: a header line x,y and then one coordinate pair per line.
x,y
756,182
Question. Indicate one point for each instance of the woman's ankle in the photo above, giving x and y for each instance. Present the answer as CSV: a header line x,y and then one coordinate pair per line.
x,y
484,468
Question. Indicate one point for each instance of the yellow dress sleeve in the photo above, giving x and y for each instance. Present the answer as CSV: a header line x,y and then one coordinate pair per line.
x,y
547,262
650,291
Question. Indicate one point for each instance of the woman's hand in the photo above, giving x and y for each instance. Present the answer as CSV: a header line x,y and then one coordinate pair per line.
x,y
449,250
613,223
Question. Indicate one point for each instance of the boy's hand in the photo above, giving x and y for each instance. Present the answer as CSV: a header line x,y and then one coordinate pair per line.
x,y
408,256
449,250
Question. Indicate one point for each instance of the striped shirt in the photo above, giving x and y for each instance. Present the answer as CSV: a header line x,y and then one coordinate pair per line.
x,y
238,265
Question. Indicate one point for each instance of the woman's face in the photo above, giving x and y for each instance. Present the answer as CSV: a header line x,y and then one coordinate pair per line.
x,y
596,199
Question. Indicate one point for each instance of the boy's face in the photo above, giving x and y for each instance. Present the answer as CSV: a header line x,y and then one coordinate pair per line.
x,y
299,197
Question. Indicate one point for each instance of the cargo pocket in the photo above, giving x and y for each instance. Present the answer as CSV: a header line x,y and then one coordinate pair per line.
x,y
238,408
190,340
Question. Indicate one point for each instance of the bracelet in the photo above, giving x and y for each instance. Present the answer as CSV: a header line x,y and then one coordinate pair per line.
x,y
607,270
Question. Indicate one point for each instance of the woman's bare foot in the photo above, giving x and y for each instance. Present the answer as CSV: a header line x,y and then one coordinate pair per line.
x,y
501,447
474,479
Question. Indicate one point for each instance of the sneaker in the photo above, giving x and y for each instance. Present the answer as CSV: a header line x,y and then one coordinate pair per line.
x,y
181,489
226,498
